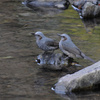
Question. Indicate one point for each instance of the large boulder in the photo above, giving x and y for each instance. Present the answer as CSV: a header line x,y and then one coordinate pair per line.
x,y
83,79
87,8
90,10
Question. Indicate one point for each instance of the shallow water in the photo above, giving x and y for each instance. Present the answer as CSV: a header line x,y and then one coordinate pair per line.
x,y
20,77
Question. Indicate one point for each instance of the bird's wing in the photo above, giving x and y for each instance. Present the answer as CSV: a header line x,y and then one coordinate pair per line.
x,y
71,48
52,43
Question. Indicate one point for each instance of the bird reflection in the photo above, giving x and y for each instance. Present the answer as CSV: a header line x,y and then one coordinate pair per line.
x,y
54,61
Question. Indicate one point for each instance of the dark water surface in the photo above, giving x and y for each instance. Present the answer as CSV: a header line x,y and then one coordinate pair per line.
x,y
20,77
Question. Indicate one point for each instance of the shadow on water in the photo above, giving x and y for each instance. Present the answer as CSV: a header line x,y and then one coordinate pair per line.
x,y
20,76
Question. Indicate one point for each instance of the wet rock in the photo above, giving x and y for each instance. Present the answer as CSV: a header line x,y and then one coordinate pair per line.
x,y
87,8
55,61
80,3
42,4
51,61
83,79
90,10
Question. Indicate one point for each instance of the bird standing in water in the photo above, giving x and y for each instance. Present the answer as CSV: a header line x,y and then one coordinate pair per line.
x,y
70,49
45,43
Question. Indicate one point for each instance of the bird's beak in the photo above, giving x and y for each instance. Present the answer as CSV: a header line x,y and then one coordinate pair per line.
x,y
59,34
33,34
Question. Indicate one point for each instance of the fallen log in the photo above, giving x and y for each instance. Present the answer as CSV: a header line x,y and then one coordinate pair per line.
x,y
83,79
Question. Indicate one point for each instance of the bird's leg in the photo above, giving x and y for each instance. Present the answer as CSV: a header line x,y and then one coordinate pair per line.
x,y
66,58
64,55
70,61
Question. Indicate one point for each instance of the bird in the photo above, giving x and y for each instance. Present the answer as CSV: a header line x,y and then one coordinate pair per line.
x,y
45,43
67,46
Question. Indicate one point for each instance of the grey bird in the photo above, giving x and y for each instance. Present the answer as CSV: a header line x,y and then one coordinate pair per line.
x,y
70,49
45,43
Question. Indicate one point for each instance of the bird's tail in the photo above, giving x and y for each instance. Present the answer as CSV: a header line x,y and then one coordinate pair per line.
x,y
88,58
